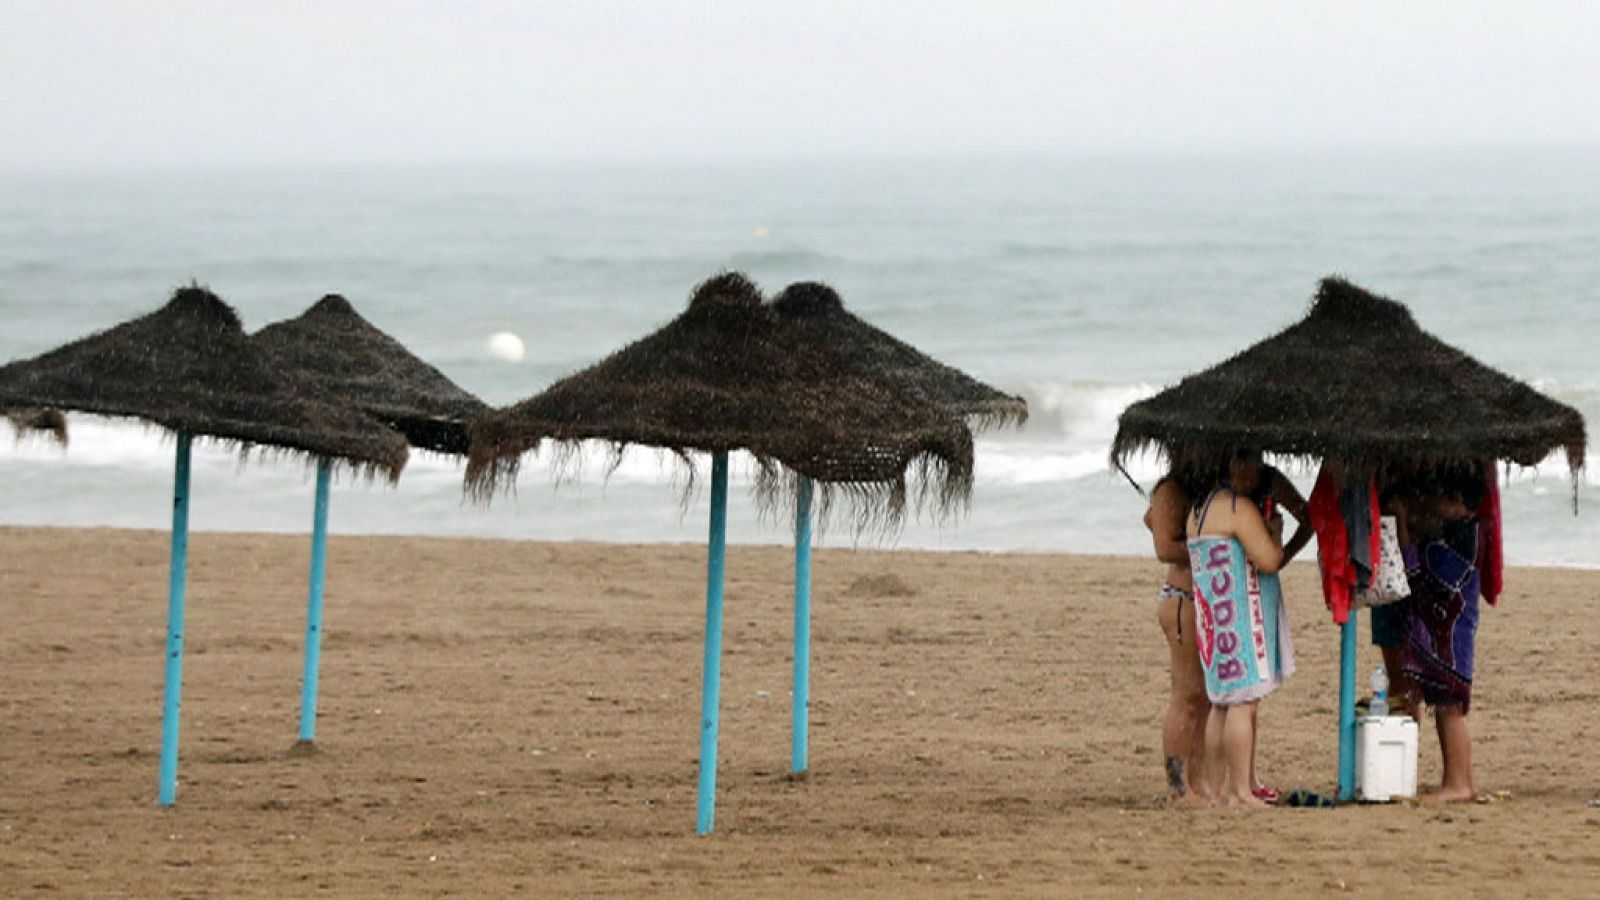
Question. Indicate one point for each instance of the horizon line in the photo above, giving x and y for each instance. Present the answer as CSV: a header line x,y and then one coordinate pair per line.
x,y
669,161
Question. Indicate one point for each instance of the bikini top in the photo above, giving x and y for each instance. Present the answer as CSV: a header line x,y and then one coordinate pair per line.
x,y
1262,497
1200,521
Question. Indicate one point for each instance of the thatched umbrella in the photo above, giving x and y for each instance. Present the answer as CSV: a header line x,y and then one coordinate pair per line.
x,y
342,358
1359,382
814,314
342,355
1355,380
724,376
189,369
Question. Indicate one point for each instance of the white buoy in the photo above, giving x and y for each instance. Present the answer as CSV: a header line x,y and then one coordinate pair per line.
x,y
505,346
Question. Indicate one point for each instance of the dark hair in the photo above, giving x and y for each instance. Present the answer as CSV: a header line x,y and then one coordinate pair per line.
x,y
1455,479
1200,474
1465,480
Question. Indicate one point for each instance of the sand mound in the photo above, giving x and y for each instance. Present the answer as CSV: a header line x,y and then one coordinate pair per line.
x,y
884,585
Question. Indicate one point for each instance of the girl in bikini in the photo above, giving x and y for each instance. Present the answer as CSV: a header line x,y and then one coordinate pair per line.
x,y
1183,731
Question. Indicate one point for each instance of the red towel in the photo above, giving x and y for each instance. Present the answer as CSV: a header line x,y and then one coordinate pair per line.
x,y
1333,547
1491,552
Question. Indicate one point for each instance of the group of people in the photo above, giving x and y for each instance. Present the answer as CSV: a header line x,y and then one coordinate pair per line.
x,y
1219,527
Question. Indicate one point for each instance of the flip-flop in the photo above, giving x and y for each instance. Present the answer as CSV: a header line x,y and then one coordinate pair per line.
x,y
1267,795
1300,797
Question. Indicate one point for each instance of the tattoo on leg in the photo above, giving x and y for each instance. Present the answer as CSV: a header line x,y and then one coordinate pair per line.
x,y
1175,776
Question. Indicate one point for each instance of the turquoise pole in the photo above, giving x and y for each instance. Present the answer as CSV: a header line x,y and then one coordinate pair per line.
x,y
802,626
1347,709
711,688
319,562
175,592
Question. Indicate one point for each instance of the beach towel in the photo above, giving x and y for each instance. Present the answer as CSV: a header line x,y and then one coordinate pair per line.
x,y
1241,625
1441,636
1333,547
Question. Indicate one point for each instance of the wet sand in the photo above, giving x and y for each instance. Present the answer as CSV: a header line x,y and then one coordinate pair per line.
x,y
522,718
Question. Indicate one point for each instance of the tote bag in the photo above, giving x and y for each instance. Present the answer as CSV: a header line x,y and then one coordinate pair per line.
x,y
1389,583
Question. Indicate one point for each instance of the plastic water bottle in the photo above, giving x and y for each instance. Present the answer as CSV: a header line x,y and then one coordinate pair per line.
x,y
1380,692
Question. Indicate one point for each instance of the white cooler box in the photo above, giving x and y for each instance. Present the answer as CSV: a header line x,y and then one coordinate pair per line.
x,y
1386,758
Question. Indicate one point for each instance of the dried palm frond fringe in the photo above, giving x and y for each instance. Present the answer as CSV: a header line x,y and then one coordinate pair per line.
x,y
38,421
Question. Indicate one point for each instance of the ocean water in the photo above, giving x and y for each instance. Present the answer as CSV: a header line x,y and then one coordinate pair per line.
x,y
1083,284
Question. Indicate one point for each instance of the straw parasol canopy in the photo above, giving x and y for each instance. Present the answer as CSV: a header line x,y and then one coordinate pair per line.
x,y
725,376
1356,380
345,359
189,367
816,314
43,421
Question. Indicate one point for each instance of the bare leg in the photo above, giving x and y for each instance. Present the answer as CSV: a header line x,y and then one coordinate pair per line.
x,y
1402,693
1216,768
1173,740
1238,745
1455,744
1255,780
1189,685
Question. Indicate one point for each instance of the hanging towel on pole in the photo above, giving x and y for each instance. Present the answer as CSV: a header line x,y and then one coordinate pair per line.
x,y
1491,553
1333,547
1359,506
1337,553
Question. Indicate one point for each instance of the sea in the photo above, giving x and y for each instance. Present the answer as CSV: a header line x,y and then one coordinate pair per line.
x,y
1082,283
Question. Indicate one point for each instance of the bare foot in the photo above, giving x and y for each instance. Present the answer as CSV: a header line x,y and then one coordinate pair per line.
x,y
1248,800
1190,800
1451,795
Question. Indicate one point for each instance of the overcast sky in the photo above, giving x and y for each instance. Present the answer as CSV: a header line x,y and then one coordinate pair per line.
x,y
169,82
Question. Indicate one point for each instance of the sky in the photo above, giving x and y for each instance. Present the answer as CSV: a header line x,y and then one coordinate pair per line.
x,y
183,83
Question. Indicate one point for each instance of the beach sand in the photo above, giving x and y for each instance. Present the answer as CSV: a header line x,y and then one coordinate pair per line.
x,y
503,717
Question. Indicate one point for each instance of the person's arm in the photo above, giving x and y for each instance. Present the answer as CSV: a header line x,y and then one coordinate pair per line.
x,y
1290,500
1167,517
1262,542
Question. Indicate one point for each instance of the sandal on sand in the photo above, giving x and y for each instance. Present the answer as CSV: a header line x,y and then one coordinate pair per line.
x,y
1267,795
1300,797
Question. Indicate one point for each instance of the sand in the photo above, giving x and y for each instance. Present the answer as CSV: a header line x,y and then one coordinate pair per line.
x,y
502,717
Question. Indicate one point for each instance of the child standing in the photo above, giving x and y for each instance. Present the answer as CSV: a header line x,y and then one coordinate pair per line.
x,y
1241,626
